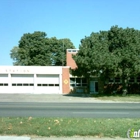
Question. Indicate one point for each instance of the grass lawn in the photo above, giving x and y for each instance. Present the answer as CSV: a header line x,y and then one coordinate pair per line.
x,y
67,126
130,98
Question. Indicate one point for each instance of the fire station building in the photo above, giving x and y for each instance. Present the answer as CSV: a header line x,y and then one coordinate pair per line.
x,y
44,79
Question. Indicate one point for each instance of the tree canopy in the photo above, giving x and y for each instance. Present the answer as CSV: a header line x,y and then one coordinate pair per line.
x,y
113,53
37,49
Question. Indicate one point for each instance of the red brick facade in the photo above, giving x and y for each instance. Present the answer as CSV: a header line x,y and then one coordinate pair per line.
x,y
65,81
70,62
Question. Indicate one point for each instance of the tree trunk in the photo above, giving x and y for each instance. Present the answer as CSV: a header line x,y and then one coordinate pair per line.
x,y
124,86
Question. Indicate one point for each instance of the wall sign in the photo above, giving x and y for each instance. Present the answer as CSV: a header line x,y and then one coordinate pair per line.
x,y
16,70
66,81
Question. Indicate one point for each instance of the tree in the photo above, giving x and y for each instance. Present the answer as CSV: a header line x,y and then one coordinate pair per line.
x,y
113,53
37,49
59,50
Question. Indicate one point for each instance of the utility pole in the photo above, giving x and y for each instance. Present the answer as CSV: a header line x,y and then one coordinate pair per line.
x,y
63,54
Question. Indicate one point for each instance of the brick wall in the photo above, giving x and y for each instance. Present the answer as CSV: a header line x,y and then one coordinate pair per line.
x,y
70,61
65,81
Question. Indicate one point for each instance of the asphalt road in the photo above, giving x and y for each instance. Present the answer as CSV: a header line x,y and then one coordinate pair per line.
x,y
87,110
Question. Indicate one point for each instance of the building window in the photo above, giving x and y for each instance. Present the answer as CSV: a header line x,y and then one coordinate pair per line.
x,y
117,80
74,51
22,84
72,82
84,82
132,80
31,84
44,85
138,79
47,85
57,85
78,82
111,80
19,84
51,85
14,84
3,84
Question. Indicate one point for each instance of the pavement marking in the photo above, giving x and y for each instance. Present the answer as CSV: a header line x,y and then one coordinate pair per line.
x,y
100,112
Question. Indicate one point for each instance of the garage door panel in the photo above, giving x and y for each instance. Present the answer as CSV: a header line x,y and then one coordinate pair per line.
x,y
4,78
48,83
48,79
22,78
28,83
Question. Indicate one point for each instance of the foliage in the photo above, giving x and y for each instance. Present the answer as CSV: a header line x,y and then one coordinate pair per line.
x,y
37,49
113,53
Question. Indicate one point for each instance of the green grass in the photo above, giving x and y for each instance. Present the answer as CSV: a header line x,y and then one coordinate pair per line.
x,y
129,98
67,126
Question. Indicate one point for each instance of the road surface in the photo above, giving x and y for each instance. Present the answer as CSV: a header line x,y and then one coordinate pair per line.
x,y
86,110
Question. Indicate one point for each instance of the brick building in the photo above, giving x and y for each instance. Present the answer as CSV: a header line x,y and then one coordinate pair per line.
x,y
44,79
80,84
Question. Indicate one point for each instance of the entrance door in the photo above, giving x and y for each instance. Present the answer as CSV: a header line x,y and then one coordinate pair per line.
x,y
93,87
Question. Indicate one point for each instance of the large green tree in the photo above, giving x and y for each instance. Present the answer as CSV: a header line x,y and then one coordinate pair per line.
x,y
113,53
37,49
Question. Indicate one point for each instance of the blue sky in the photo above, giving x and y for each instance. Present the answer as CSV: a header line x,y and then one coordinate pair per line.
x,y
73,19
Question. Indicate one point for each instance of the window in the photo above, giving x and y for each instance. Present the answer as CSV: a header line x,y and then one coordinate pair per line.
x,y
74,50
25,84
47,85
72,82
19,84
13,84
117,80
31,84
131,80
44,85
22,84
138,79
84,82
51,85
111,80
56,85
3,84
78,82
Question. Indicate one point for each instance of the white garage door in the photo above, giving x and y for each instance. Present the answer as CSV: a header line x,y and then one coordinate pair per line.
x,y
48,83
4,83
22,83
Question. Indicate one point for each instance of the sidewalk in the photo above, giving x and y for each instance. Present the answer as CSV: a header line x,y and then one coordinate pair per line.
x,y
51,98
57,138
78,138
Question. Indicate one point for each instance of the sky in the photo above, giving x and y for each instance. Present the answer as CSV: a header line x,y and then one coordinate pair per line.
x,y
73,19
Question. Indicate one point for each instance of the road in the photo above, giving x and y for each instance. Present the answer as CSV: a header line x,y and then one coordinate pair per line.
x,y
87,110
